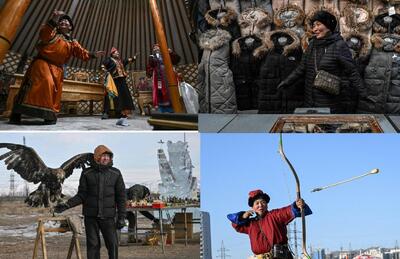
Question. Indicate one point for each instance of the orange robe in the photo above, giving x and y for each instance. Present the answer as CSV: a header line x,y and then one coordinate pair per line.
x,y
40,93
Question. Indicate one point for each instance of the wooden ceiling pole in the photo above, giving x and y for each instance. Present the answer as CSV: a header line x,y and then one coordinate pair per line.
x,y
10,18
162,41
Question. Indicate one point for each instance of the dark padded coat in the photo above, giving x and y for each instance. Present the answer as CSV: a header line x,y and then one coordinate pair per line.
x,y
381,93
332,55
275,67
101,191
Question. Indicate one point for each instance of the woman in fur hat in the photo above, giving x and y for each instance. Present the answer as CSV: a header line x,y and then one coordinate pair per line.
x,y
41,89
328,52
267,228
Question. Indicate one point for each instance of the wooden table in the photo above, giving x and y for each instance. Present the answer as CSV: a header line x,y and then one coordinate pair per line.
x,y
73,91
160,214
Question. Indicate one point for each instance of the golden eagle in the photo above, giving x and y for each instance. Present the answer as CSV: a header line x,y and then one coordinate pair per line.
x,y
27,163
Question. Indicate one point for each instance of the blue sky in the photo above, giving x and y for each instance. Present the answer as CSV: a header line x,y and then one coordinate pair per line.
x,y
135,154
359,214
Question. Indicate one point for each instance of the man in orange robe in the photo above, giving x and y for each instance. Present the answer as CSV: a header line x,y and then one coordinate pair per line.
x,y
41,89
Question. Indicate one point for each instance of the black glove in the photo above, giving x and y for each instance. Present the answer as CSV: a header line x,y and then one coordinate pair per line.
x,y
282,85
120,223
61,207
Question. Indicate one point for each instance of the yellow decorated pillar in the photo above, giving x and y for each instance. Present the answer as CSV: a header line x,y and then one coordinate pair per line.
x,y
169,71
11,15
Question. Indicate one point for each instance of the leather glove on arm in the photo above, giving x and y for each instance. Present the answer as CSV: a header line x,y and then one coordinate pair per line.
x,y
120,223
61,207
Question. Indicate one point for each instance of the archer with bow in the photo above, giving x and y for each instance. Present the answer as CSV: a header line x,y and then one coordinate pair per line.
x,y
267,229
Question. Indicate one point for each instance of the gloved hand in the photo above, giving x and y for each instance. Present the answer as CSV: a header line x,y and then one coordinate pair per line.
x,y
120,223
282,85
61,207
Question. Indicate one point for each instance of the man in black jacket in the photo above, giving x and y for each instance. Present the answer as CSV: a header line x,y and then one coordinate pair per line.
x,y
101,191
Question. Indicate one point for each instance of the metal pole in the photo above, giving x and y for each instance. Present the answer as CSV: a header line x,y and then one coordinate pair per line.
x,y
11,16
162,41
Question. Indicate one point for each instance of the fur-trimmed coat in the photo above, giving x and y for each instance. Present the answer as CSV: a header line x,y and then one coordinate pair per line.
x,y
215,79
381,93
332,55
246,57
278,63
291,17
263,4
225,19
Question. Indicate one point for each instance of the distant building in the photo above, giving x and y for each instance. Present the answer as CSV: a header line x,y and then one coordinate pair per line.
x,y
205,236
392,254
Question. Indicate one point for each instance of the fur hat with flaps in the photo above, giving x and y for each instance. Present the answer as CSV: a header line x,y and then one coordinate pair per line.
x,y
68,18
326,15
385,23
255,195
100,150
386,42
289,16
214,39
356,17
285,39
220,17
358,43
254,21
250,43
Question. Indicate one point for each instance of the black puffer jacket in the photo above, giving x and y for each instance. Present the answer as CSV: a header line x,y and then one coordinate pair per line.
x,y
382,77
332,55
247,53
275,67
101,191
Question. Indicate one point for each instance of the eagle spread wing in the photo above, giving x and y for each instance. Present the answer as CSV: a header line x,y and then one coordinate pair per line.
x,y
25,161
78,161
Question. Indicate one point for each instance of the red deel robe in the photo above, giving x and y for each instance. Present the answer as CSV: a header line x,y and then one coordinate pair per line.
x,y
274,226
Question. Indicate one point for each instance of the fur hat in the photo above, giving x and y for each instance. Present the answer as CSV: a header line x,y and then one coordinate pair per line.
x,y
113,50
68,18
313,12
257,194
326,18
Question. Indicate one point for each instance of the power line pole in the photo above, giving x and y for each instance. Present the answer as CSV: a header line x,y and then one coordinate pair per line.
x,y
222,251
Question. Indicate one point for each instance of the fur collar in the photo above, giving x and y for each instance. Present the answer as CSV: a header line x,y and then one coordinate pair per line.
x,y
214,39
279,19
254,21
258,52
270,45
213,19
363,38
377,40
379,25
350,19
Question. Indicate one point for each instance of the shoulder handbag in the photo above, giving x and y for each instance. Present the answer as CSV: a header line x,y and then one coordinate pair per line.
x,y
326,81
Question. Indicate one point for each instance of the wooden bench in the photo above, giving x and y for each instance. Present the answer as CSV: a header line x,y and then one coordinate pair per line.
x,y
73,91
